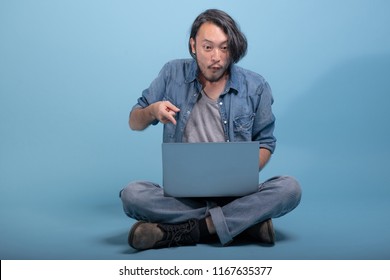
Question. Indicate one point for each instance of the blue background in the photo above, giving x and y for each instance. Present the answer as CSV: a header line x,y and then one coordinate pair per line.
x,y
71,70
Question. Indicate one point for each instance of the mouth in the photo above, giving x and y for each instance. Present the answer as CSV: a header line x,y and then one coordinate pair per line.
x,y
215,68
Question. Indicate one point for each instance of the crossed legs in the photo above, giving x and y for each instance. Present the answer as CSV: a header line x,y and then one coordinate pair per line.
x,y
227,218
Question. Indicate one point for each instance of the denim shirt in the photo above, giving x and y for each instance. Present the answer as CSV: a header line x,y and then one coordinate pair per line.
x,y
245,104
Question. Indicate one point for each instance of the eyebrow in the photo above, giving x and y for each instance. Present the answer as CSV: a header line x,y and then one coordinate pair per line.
x,y
208,41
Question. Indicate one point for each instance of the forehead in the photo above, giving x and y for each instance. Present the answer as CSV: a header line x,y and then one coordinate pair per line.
x,y
209,31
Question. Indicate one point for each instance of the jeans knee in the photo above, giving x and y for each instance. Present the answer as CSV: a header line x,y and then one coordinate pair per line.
x,y
130,195
130,199
127,197
288,188
293,188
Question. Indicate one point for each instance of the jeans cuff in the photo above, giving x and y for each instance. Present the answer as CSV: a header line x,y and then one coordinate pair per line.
x,y
220,225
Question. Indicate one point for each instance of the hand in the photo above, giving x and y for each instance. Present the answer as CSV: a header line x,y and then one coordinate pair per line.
x,y
165,112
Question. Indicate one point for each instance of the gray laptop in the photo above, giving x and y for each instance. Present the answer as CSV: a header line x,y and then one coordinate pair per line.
x,y
220,169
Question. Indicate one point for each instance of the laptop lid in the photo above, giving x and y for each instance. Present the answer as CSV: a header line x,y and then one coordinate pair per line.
x,y
216,169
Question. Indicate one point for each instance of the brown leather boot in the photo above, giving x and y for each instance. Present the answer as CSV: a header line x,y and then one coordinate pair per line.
x,y
145,235
262,232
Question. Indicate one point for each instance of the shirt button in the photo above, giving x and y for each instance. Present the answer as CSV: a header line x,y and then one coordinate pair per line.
x,y
225,122
220,103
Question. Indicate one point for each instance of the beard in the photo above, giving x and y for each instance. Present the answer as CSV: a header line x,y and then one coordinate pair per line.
x,y
213,73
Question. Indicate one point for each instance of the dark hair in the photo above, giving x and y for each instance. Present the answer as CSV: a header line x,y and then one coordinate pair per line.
x,y
237,42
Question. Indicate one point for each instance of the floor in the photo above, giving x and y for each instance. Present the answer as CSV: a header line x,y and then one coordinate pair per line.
x,y
62,202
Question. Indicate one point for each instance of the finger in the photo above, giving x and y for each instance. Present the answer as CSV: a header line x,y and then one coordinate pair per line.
x,y
170,107
170,117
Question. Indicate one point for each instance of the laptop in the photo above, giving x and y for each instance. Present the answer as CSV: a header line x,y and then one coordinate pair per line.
x,y
214,169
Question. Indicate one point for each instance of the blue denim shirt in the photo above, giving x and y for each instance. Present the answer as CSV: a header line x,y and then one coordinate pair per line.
x,y
245,104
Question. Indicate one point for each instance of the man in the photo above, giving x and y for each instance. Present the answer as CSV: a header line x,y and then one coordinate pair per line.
x,y
208,99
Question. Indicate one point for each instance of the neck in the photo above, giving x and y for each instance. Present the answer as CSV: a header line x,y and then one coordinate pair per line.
x,y
214,89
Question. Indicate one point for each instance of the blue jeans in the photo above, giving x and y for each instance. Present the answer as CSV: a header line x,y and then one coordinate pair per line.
x,y
231,216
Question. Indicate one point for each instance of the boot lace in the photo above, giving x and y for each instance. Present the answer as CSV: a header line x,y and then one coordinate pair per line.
x,y
180,234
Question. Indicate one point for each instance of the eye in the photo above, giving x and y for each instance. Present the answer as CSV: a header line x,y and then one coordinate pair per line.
x,y
224,48
207,48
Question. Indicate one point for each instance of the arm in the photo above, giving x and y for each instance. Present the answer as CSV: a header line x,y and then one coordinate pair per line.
x,y
264,155
264,125
163,111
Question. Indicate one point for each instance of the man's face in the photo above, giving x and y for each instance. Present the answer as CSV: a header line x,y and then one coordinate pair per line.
x,y
212,53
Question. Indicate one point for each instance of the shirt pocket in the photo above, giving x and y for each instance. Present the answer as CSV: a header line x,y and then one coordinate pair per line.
x,y
242,127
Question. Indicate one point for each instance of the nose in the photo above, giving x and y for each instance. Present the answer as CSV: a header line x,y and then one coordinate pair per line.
x,y
216,55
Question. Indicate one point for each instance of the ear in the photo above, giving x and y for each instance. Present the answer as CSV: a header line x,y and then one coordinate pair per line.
x,y
193,45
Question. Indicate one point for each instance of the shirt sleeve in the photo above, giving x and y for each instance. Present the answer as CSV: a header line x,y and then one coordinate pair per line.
x,y
155,92
264,123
